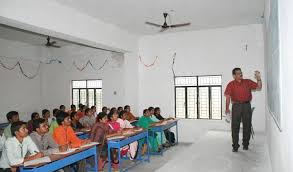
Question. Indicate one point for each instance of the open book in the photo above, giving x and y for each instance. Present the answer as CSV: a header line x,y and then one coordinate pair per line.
x,y
45,159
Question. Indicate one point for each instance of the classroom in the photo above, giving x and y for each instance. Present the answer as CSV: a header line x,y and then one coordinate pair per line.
x,y
140,86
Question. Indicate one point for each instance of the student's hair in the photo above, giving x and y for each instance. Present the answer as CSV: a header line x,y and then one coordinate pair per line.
x,y
93,107
61,107
120,108
126,106
72,106
44,111
72,115
16,126
156,109
122,113
101,115
151,108
37,123
55,111
87,110
145,110
82,107
235,69
11,114
113,109
79,105
104,108
61,115
111,113
34,114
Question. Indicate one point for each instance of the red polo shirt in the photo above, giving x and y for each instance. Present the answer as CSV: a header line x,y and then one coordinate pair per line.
x,y
240,91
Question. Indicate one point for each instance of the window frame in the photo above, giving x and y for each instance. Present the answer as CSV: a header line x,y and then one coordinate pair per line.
x,y
87,91
197,88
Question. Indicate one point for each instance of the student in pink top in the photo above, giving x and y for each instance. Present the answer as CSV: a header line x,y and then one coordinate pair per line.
x,y
113,124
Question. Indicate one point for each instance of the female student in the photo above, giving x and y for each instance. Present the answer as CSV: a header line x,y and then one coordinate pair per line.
x,y
46,115
99,133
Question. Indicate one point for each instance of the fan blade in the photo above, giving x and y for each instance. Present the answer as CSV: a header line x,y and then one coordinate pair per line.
x,y
153,24
53,42
180,25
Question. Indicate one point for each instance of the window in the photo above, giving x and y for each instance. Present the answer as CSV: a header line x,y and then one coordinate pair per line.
x,y
198,97
87,92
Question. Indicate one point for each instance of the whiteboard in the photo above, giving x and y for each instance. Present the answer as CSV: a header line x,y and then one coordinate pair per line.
x,y
273,64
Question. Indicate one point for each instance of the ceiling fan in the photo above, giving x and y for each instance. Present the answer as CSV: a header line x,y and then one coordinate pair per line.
x,y
51,44
165,26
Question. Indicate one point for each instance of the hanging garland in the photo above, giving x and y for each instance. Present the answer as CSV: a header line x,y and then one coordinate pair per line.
x,y
149,65
50,62
21,69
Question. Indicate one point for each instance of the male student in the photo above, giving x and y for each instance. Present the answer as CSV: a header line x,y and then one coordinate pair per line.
x,y
17,147
12,117
88,120
44,141
72,109
62,108
65,136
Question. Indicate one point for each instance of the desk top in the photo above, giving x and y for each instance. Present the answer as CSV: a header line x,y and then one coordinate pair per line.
x,y
56,157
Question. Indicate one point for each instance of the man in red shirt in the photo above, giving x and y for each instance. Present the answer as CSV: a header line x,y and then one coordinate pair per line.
x,y
239,91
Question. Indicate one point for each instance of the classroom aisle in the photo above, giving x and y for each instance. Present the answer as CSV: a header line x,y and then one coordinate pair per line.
x,y
211,153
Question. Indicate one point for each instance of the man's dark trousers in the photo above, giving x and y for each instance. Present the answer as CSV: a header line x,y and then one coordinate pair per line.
x,y
241,112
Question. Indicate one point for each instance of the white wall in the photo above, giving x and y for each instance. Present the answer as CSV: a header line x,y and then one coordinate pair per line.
x,y
17,92
56,78
205,52
281,143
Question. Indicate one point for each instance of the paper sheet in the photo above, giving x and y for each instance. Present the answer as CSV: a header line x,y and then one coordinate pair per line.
x,y
66,152
89,144
45,159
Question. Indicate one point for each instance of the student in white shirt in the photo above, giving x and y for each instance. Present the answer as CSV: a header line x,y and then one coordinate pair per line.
x,y
17,147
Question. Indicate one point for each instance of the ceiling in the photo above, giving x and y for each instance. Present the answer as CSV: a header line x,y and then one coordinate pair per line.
x,y
130,15
18,35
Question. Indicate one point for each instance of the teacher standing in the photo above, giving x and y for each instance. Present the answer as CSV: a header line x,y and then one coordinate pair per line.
x,y
239,92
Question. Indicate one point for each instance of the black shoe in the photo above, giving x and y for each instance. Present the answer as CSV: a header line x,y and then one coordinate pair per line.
x,y
235,150
245,147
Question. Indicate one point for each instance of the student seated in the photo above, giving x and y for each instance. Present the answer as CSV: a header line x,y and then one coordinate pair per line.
x,y
125,125
105,109
12,117
161,138
80,112
119,109
62,108
130,117
18,147
169,135
94,111
99,133
54,123
34,116
72,109
64,136
146,122
75,124
112,121
41,137
47,116
88,120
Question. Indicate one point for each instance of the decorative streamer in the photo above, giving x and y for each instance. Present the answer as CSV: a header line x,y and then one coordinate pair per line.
x,y
173,63
149,65
21,69
90,63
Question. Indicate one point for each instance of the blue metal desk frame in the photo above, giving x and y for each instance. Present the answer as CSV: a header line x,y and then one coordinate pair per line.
x,y
161,129
58,164
117,144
